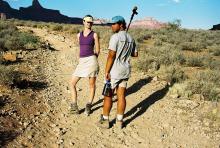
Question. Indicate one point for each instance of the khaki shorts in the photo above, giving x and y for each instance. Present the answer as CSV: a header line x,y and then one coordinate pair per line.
x,y
120,83
87,67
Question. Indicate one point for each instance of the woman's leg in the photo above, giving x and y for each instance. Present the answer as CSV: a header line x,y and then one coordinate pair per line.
x,y
92,87
74,81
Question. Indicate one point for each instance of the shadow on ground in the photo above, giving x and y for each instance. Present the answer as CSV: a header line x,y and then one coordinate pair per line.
x,y
100,106
24,84
137,85
141,107
7,136
132,89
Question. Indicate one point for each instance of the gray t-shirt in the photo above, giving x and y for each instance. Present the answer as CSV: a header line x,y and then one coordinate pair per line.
x,y
124,45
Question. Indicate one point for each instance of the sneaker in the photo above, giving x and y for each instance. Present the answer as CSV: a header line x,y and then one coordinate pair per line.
x,y
74,108
118,124
103,123
88,109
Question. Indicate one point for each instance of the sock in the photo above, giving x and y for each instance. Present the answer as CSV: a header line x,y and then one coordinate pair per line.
x,y
119,117
74,103
105,117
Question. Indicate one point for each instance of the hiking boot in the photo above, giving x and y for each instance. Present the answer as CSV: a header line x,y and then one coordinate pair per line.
x,y
88,109
74,108
103,123
118,124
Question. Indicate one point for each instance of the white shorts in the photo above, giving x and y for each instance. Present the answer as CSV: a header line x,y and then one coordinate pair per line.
x,y
120,83
87,67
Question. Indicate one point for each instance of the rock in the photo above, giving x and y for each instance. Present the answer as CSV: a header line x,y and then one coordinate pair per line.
x,y
215,111
60,141
53,125
10,57
79,89
198,97
25,124
188,104
206,122
72,143
30,137
155,78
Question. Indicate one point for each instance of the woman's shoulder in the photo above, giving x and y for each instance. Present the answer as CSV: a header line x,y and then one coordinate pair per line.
x,y
95,34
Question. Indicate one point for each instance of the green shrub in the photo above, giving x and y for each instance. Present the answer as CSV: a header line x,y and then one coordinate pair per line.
x,y
145,63
12,39
2,44
214,50
7,75
172,74
194,61
207,84
57,28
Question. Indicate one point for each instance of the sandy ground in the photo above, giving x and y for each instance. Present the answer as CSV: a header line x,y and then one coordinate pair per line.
x,y
152,118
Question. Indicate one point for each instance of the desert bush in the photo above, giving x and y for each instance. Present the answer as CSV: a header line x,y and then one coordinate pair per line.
x,y
143,37
174,25
57,27
169,55
74,29
158,42
8,75
194,61
145,63
19,41
193,46
12,39
2,44
212,64
214,50
207,84
172,74
27,38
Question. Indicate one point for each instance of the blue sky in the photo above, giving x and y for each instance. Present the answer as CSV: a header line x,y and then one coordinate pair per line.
x,y
194,14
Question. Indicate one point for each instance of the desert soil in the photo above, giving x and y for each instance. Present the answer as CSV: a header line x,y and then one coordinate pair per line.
x,y
153,118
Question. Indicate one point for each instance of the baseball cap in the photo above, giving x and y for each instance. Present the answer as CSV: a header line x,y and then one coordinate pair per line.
x,y
117,19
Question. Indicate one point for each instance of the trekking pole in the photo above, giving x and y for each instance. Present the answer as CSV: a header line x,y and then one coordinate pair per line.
x,y
134,12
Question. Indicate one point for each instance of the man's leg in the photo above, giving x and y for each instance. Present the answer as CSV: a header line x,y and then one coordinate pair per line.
x,y
107,105
121,105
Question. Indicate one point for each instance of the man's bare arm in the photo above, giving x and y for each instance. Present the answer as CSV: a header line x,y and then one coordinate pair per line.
x,y
110,62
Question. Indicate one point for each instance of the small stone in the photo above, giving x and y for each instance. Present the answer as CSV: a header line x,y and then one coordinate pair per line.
x,y
25,124
214,111
72,143
53,125
10,57
30,137
79,89
155,78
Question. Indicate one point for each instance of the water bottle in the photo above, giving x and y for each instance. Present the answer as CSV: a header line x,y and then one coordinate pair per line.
x,y
107,90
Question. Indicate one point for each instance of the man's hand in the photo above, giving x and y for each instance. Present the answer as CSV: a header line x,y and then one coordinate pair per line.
x,y
107,76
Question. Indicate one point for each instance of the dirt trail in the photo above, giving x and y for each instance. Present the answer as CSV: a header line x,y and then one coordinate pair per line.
x,y
152,118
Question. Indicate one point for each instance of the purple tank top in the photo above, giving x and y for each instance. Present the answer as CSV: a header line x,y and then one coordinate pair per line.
x,y
86,44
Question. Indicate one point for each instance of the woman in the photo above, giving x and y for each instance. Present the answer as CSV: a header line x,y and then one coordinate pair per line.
x,y
88,64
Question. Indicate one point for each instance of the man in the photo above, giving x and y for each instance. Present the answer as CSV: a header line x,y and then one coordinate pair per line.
x,y
121,47
88,64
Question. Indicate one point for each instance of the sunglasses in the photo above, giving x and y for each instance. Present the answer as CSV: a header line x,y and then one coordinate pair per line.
x,y
89,22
